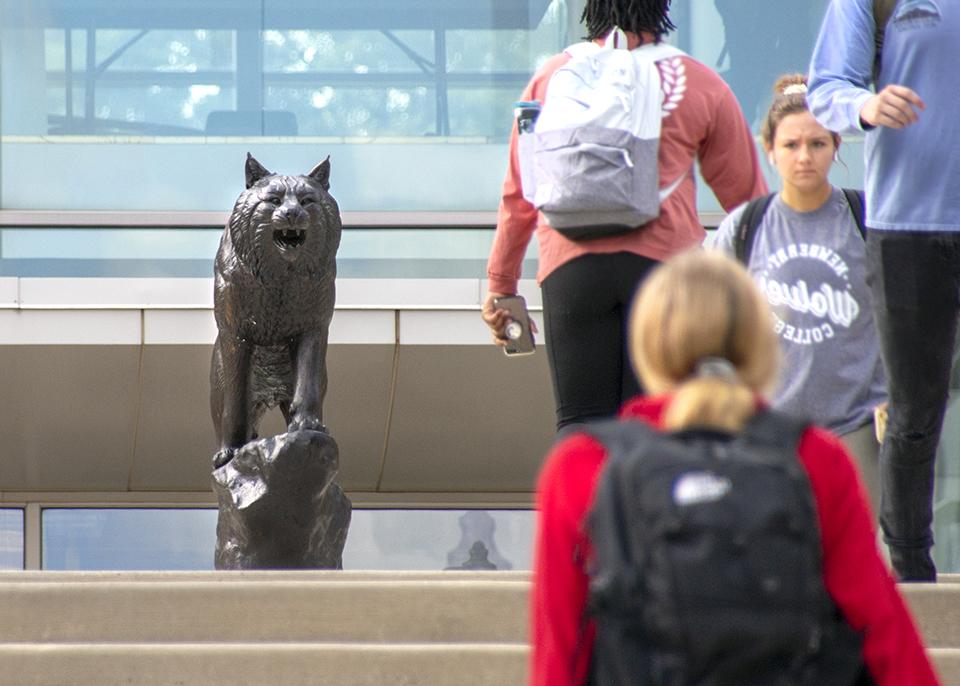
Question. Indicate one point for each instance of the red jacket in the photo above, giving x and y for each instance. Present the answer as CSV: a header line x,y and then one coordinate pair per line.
x,y
702,122
854,573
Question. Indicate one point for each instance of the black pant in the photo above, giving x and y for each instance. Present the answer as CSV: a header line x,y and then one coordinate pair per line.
x,y
586,303
915,279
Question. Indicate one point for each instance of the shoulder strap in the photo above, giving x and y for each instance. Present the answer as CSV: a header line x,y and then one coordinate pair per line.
x,y
773,428
619,436
882,11
856,201
582,48
658,51
747,227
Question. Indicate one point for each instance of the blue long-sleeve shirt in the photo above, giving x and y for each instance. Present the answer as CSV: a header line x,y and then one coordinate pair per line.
x,y
912,178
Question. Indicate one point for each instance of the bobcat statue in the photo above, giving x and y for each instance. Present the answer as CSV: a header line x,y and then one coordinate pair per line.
x,y
273,300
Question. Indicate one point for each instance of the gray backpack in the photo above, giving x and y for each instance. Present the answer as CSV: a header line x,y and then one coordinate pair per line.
x,y
590,164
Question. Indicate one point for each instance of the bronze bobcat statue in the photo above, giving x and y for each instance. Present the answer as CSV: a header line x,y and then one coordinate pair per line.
x,y
273,300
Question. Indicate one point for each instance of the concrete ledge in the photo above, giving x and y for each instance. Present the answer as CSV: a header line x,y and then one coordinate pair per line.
x,y
351,610
328,576
936,608
289,664
947,662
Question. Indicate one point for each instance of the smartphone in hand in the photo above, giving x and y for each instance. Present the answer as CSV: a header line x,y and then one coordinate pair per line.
x,y
519,336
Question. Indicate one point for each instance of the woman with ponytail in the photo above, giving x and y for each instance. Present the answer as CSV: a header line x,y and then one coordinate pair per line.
x,y
808,255
702,343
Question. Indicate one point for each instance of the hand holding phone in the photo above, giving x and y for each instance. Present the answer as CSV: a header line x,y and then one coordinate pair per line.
x,y
518,332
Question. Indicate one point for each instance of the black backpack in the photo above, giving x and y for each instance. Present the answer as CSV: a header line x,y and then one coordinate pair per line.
x,y
707,564
753,213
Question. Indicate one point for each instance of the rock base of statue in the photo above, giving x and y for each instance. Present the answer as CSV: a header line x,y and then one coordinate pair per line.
x,y
279,505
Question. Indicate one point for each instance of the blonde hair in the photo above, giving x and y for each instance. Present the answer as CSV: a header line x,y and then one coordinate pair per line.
x,y
695,306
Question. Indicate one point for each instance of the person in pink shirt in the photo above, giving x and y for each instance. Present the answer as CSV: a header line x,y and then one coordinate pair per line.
x,y
587,284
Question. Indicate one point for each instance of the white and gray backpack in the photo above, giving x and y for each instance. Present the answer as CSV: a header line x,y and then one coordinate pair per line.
x,y
590,165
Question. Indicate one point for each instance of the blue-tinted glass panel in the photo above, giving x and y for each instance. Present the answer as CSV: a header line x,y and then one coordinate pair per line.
x,y
440,539
11,539
128,539
146,539
759,41
173,253
159,102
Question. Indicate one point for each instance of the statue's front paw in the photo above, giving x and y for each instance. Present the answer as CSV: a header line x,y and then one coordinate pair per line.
x,y
222,457
306,424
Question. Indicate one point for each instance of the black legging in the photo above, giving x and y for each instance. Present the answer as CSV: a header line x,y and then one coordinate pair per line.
x,y
586,303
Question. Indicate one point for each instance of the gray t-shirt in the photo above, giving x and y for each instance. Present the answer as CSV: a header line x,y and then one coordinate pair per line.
x,y
812,268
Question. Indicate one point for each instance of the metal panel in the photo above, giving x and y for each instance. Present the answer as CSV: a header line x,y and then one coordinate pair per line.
x,y
67,416
9,291
116,293
69,327
175,439
466,418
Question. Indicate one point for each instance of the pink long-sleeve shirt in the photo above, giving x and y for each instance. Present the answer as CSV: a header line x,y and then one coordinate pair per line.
x,y
701,121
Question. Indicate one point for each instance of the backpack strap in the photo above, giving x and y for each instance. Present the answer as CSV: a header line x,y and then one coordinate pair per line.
x,y
581,49
624,440
747,227
857,203
768,427
882,11
658,51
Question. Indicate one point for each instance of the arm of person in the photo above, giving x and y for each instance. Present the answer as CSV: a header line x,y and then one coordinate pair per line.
x,y
841,70
728,156
516,220
854,573
561,638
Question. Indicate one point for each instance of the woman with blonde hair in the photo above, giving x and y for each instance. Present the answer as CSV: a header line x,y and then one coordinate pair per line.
x,y
701,341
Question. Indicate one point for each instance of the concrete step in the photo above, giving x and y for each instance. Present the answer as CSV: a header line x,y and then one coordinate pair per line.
x,y
290,664
159,608
317,628
258,664
936,607
947,664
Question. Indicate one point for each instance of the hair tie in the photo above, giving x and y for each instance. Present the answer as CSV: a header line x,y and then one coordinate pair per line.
x,y
795,89
716,368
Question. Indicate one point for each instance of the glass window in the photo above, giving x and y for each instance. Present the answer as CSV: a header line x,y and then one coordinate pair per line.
x,y
128,539
158,539
179,91
11,539
440,539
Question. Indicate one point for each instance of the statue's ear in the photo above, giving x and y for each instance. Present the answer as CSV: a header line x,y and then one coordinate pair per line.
x,y
255,171
321,174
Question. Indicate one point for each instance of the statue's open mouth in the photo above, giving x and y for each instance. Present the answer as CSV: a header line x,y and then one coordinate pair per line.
x,y
288,239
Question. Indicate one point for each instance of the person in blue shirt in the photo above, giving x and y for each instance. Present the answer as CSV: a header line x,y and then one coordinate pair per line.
x,y
911,131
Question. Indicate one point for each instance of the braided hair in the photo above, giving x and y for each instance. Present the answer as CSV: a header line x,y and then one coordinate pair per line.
x,y
634,16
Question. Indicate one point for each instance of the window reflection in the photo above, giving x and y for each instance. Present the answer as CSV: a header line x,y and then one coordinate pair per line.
x,y
179,68
11,539
440,539
762,40
184,539
128,539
